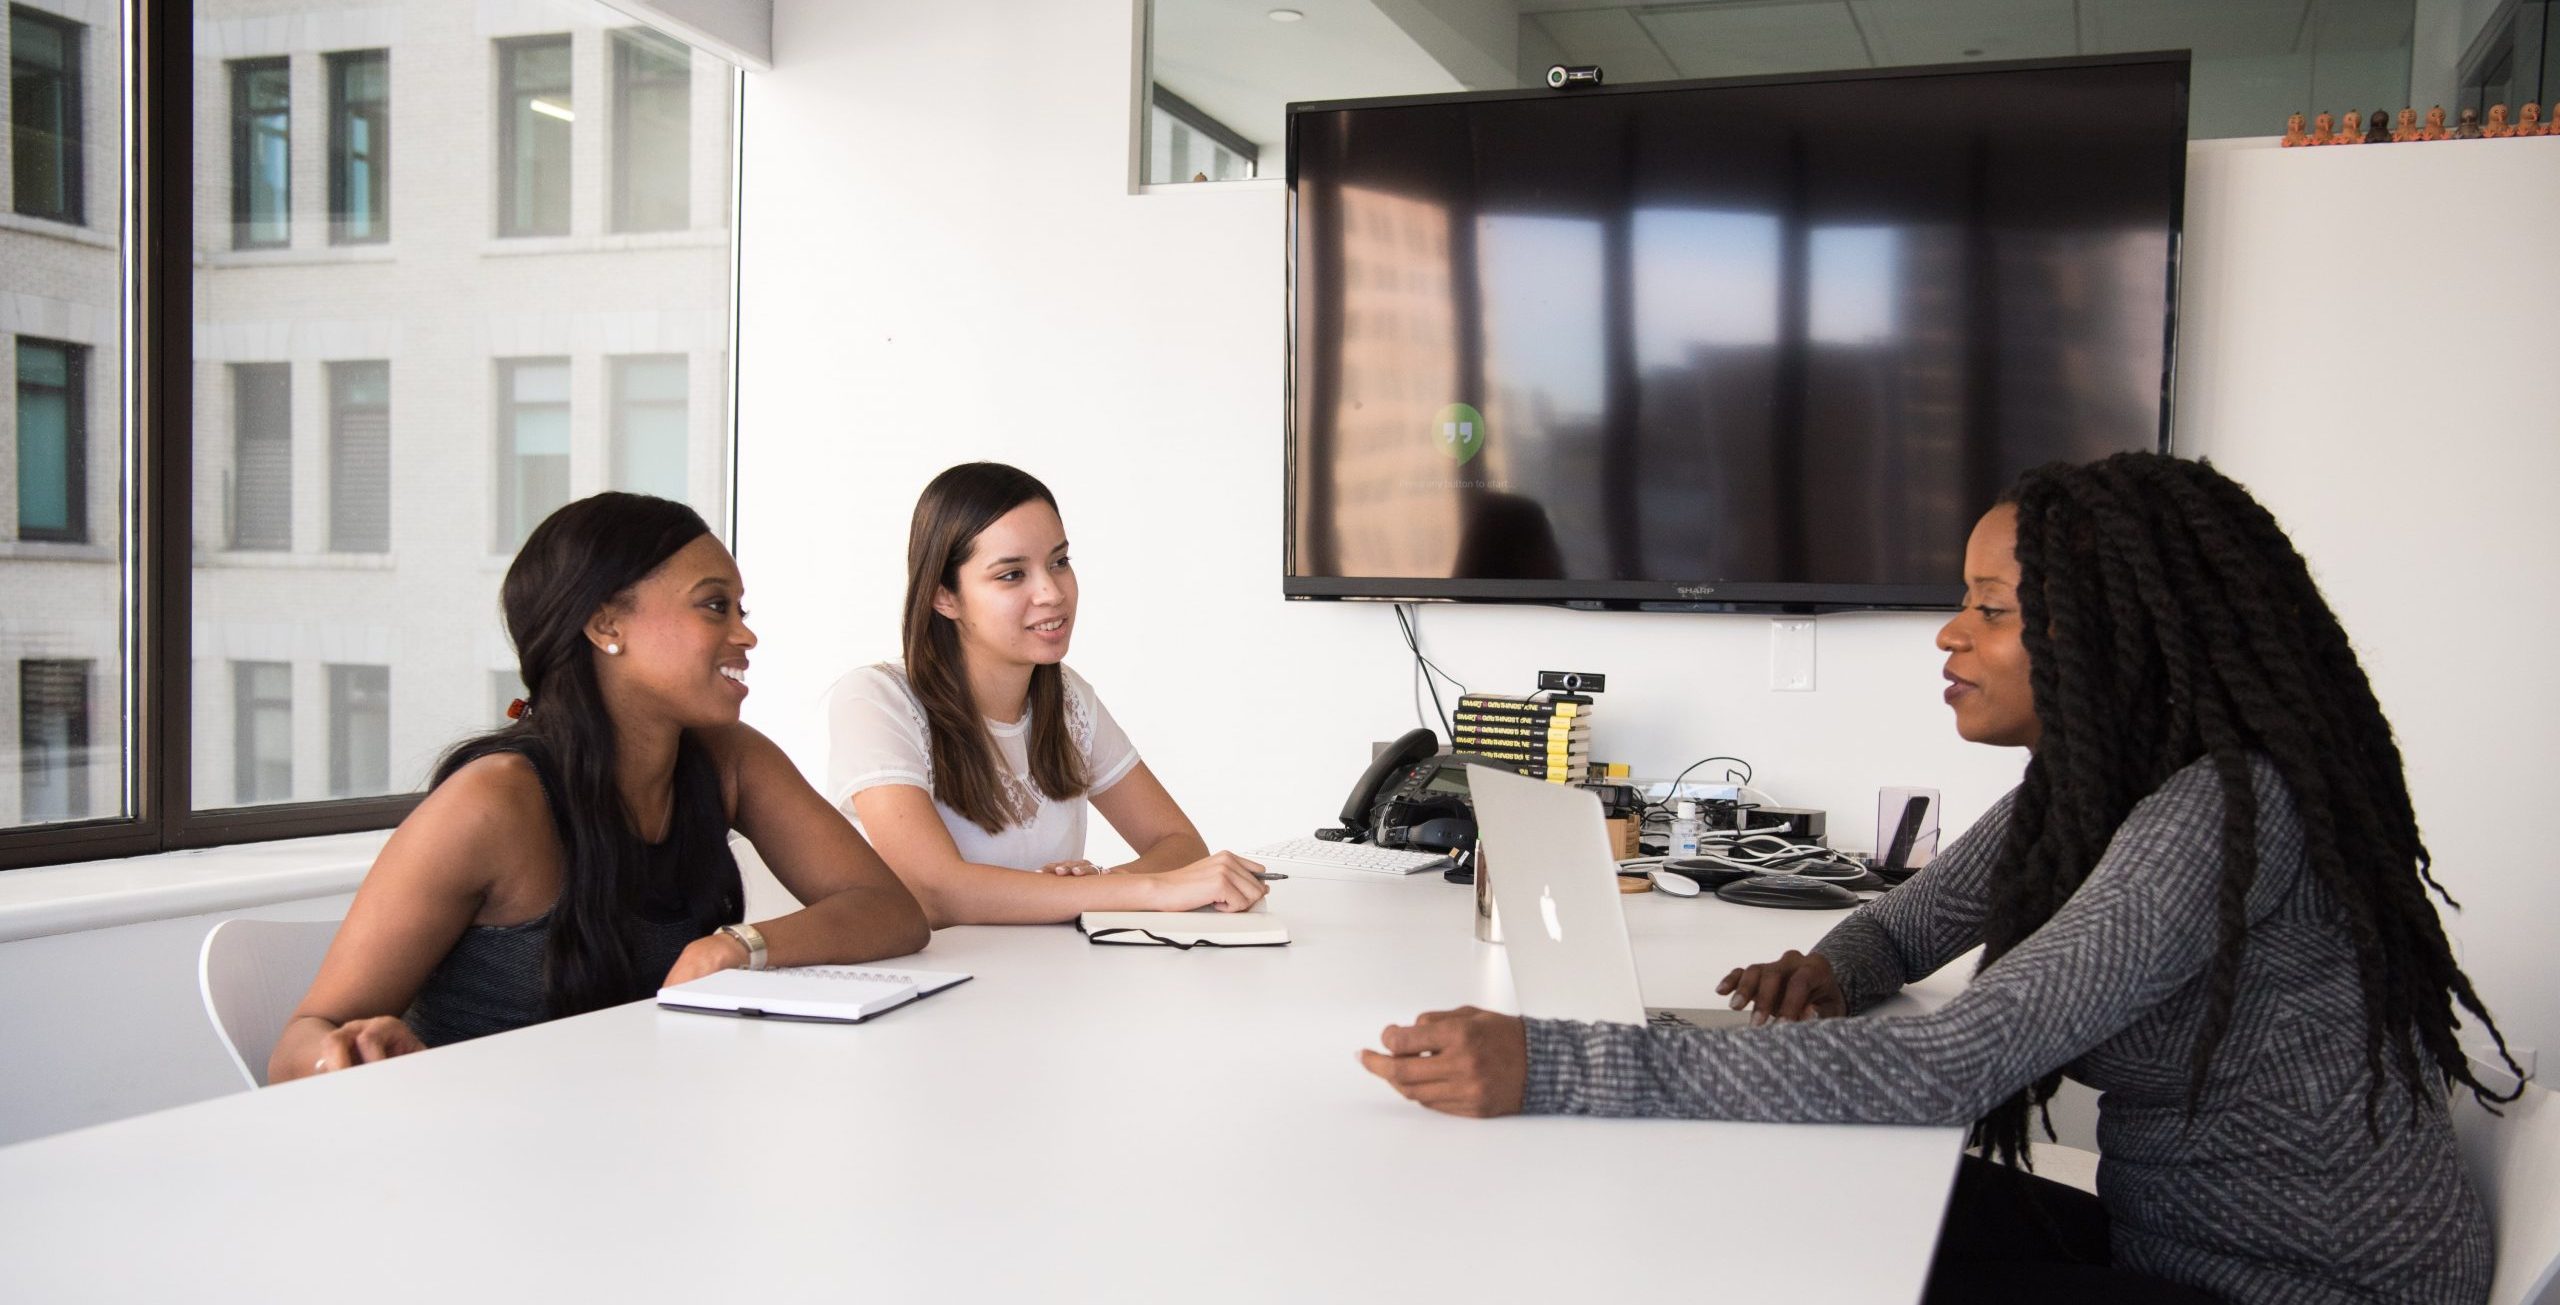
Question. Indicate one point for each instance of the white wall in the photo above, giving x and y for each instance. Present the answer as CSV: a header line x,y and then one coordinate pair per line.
x,y
942,262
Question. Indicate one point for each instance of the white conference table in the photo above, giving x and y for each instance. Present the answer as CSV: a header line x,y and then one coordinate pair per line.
x,y
1080,1122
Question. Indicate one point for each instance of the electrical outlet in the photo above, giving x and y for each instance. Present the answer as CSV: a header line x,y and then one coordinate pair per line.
x,y
1791,655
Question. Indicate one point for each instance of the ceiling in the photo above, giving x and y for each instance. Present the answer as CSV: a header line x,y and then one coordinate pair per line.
x,y
1229,58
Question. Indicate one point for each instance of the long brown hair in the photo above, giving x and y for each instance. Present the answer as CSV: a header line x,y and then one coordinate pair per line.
x,y
955,508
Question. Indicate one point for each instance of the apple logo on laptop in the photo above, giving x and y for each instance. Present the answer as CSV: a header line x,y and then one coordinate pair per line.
x,y
1547,908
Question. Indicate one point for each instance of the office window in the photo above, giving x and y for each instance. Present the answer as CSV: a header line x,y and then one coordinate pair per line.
x,y
359,146
46,131
533,444
360,457
1185,144
261,153
359,731
53,441
649,442
262,456
652,132
53,740
534,114
262,731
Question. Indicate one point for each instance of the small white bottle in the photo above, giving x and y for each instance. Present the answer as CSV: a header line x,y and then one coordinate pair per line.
x,y
1685,828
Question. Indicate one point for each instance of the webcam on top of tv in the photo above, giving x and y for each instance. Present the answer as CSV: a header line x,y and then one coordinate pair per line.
x,y
1573,77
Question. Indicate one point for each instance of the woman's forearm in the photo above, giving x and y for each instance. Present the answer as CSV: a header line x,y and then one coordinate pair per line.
x,y
1171,852
850,927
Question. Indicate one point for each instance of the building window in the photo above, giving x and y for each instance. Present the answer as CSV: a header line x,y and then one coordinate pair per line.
x,y
262,731
1186,144
46,132
53,740
262,456
649,445
359,731
53,441
533,444
359,147
360,457
534,115
652,132
261,154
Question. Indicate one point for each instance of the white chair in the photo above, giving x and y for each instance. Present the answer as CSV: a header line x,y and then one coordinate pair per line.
x,y
253,973
2514,1163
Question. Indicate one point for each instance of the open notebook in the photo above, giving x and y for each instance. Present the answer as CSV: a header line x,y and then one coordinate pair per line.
x,y
832,994
1184,929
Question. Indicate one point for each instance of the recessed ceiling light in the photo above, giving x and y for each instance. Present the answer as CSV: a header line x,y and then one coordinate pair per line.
x,y
1286,15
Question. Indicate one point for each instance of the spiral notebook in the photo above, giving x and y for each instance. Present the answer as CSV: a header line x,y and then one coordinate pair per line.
x,y
827,994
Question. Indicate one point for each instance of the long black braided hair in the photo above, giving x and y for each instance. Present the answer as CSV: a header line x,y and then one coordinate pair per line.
x,y
2168,619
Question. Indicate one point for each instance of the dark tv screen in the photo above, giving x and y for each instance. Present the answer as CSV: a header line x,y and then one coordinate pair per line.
x,y
1752,345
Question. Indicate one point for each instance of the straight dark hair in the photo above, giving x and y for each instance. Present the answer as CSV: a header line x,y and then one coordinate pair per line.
x,y
955,508
584,557
2167,620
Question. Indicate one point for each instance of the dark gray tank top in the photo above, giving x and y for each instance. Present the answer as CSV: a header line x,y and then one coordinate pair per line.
x,y
493,978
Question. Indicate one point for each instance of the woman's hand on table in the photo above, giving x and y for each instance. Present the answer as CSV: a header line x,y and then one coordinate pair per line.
x,y
361,1042
708,954
1793,987
1220,879
1461,1062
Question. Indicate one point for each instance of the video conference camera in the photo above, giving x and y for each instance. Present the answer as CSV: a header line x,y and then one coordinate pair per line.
x,y
1574,76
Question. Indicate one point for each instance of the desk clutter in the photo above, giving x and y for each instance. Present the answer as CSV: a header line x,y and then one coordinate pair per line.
x,y
1547,736
2384,127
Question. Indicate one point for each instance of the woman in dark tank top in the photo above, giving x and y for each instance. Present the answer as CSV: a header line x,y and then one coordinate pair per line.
x,y
578,858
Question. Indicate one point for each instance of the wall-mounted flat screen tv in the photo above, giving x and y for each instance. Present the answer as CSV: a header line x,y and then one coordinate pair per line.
x,y
1739,345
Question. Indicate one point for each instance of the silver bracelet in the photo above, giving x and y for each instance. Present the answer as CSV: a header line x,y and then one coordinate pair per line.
x,y
752,939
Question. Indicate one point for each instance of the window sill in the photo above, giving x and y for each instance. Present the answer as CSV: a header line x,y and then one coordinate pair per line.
x,y
45,900
296,257
1241,185
517,246
36,550
70,231
246,560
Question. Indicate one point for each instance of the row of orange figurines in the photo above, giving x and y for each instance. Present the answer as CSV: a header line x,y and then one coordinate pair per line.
x,y
2382,127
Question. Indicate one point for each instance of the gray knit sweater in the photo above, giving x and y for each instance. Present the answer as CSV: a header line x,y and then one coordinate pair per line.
x,y
2272,1192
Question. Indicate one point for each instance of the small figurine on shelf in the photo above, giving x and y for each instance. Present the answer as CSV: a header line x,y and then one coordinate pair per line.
x,y
2295,135
2496,127
2352,133
2529,120
2408,126
2469,128
2323,130
2377,129
2435,129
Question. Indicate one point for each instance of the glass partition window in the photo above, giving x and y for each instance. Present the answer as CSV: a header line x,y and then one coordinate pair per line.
x,y
359,457
652,132
535,116
47,131
649,436
261,153
53,441
359,146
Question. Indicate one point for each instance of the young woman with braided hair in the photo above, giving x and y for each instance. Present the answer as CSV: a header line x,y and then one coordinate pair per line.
x,y
2207,899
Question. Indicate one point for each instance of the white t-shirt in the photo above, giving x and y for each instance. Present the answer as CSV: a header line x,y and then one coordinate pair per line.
x,y
876,735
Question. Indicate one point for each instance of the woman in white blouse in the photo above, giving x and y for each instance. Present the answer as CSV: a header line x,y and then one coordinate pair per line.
x,y
973,761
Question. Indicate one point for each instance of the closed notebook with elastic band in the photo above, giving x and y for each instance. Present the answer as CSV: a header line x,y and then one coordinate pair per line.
x,y
1184,929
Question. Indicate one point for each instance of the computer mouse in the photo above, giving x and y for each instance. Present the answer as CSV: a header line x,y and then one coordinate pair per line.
x,y
1675,883
1791,892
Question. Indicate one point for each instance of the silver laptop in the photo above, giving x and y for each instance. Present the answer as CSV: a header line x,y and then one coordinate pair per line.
x,y
1555,887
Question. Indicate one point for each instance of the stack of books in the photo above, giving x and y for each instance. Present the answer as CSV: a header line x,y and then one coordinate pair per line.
x,y
1547,737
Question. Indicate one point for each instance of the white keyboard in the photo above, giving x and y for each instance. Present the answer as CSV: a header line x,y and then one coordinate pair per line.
x,y
1314,858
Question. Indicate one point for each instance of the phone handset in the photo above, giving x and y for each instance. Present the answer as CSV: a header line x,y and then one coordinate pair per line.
x,y
1413,747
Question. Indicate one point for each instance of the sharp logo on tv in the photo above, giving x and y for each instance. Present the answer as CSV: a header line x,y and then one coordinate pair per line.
x,y
1459,431
1694,591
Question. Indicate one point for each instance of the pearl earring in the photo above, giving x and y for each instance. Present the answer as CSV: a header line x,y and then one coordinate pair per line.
x,y
613,650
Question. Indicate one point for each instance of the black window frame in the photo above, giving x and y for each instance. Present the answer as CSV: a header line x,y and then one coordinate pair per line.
x,y
75,393
511,145
244,138
70,154
157,384
342,114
